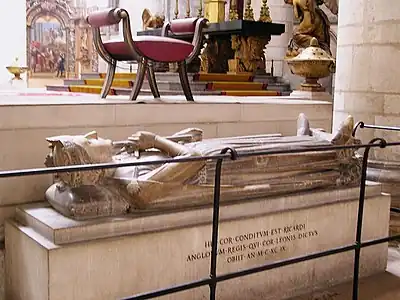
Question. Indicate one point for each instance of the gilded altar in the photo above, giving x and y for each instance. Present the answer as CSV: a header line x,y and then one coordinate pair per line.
x,y
233,42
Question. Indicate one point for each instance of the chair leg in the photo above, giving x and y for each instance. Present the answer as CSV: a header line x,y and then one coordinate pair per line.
x,y
151,77
109,79
183,76
141,72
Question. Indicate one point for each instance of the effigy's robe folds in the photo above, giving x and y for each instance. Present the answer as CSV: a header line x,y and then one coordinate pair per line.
x,y
108,234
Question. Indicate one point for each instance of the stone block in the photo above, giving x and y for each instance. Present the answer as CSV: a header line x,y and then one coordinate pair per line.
x,y
319,96
375,12
51,257
352,14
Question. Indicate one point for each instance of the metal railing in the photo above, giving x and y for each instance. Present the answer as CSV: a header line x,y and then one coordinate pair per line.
x,y
230,153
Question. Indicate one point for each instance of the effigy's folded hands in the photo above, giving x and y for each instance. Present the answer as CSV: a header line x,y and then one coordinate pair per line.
x,y
143,140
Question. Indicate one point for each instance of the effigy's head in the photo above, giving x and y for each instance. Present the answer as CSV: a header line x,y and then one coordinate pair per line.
x,y
67,150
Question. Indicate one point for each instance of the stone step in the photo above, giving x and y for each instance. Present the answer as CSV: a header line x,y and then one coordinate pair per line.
x,y
119,90
170,76
278,86
103,75
127,91
169,83
162,85
166,85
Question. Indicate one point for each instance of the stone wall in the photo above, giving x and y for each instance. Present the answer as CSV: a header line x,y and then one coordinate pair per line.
x,y
367,84
368,50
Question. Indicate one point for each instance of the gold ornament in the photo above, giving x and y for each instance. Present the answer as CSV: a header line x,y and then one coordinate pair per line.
x,y
248,13
265,15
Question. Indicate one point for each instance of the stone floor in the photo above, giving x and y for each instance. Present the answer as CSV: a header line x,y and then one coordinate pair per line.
x,y
385,286
42,82
35,96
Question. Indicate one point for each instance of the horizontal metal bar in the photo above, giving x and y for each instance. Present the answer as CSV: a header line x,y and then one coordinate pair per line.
x,y
262,268
380,241
283,263
380,127
269,266
171,290
395,210
89,167
317,148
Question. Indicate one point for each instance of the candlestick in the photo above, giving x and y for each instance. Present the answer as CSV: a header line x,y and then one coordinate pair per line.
x,y
248,13
265,15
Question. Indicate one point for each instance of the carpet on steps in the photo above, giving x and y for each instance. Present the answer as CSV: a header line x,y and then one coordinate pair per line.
x,y
120,75
231,85
223,77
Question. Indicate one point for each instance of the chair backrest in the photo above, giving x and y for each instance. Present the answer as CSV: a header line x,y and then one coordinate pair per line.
x,y
183,26
187,26
106,17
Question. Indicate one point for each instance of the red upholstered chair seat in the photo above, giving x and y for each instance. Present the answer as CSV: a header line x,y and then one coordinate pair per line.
x,y
161,49
118,50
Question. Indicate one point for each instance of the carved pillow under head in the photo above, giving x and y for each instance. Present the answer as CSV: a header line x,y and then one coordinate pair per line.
x,y
79,150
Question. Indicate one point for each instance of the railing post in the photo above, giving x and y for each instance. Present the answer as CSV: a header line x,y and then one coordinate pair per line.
x,y
215,223
358,125
272,68
360,216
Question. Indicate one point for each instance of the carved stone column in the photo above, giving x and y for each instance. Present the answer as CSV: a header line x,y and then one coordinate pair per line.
x,y
84,48
367,84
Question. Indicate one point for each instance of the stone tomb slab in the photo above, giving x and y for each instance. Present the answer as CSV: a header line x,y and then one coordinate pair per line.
x,y
52,257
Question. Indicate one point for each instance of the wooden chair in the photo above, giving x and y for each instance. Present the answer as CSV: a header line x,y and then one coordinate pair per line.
x,y
147,49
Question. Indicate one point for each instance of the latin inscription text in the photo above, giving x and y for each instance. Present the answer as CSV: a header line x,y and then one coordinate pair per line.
x,y
252,245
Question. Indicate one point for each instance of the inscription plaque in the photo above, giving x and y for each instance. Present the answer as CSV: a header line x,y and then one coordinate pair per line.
x,y
252,245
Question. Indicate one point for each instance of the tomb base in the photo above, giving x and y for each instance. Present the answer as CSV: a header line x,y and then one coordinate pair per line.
x,y
50,257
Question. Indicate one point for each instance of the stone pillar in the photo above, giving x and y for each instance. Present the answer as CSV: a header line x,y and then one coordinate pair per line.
x,y
367,80
13,36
